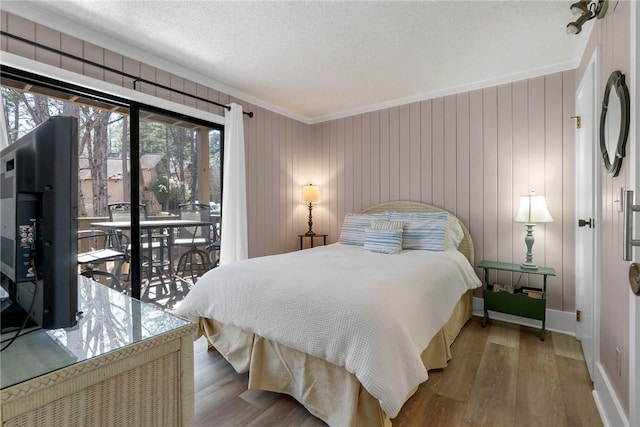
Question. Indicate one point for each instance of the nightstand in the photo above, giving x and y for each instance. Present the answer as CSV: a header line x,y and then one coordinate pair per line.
x,y
518,303
312,240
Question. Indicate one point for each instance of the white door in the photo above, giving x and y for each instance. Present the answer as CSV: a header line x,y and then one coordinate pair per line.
x,y
586,193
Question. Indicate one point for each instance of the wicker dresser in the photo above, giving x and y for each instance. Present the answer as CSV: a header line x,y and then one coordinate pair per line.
x,y
126,363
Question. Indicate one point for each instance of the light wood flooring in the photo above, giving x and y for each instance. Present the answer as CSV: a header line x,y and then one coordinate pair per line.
x,y
501,375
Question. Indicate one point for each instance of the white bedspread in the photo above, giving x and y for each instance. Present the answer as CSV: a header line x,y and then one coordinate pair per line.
x,y
371,313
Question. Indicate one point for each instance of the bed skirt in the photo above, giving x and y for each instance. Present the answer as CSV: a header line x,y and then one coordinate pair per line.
x,y
328,391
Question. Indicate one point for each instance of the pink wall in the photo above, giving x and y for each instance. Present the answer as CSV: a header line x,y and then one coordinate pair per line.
x,y
473,154
612,34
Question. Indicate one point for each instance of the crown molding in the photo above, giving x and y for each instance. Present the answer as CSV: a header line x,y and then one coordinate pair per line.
x,y
509,78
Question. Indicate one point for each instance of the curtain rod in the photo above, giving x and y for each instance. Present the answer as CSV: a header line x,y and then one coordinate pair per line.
x,y
113,70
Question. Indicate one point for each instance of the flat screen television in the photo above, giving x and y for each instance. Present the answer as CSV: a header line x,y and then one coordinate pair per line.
x,y
38,231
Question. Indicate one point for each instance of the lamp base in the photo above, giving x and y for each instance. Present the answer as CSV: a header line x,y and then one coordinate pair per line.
x,y
529,265
310,233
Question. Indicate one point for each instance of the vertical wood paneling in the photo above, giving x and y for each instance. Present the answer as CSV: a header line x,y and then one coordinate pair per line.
x,y
333,184
191,88
371,159
350,170
426,154
520,180
505,178
23,28
260,196
476,199
450,154
251,134
404,165
437,151
384,156
490,171
131,66
280,163
163,78
4,23
358,160
202,92
289,175
51,38
414,152
321,179
95,54
73,46
376,163
462,157
340,174
116,61
394,154
272,133
176,83
537,165
553,187
148,73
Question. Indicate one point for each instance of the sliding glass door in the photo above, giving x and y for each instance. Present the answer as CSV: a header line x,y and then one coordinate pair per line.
x,y
128,154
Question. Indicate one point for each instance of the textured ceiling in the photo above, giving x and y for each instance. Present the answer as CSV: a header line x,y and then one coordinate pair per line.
x,y
318,59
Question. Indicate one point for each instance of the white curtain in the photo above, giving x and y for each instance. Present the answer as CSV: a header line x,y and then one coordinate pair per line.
x,y
4,139
234,242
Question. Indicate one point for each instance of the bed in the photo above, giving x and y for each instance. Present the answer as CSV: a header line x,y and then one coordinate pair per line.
x,y
348,332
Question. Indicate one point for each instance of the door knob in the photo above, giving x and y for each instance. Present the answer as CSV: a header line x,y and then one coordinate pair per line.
x,y
591,223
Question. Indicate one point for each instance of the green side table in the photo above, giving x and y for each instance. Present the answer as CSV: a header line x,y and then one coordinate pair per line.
x,y
517,303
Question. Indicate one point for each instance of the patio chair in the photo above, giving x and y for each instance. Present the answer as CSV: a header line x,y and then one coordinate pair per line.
x,y
153,264
103,247
195,260
122,211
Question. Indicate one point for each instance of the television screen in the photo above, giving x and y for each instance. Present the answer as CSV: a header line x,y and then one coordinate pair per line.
x,y
38,232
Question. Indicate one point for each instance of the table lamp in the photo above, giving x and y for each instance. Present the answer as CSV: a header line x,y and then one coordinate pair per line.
x,y
533,210
310,194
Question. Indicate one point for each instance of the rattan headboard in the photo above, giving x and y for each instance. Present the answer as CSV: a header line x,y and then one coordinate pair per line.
x,y
466,246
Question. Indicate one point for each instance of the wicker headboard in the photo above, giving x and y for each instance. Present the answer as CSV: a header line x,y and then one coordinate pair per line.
x,y
466,246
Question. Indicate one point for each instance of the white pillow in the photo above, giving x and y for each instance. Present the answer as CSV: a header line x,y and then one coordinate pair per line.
x,y
384,241
354,225
454,234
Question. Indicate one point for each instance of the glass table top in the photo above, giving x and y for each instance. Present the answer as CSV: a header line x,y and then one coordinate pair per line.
x,y
109,321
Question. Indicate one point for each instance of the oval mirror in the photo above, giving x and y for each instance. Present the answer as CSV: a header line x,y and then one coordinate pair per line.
x,y
614,123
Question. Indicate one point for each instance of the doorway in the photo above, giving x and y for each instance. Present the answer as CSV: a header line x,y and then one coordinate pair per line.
x,y
587,193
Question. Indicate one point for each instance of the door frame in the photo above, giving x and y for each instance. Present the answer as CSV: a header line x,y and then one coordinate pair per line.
x,y
593,68
634,182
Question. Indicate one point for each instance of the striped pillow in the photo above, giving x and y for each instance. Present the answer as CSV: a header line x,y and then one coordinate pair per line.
x,y
425,231
354,226
385,224
384,241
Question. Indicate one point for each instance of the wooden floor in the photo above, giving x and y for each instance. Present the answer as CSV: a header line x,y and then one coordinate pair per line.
x,y
501,375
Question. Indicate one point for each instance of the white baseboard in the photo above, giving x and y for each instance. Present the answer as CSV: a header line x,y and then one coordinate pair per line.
x,y
557,321
609,407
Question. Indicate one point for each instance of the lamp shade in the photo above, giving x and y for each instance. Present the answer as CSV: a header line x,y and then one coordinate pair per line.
x,y
310,194
533,209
